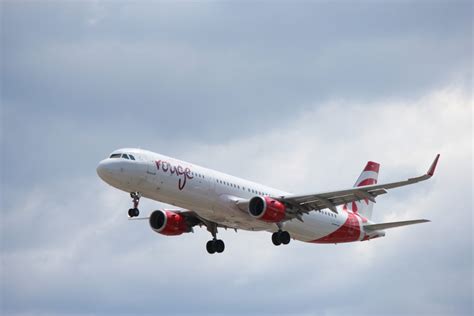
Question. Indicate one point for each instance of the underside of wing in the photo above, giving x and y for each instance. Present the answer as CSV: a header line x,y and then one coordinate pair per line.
x,y
193,219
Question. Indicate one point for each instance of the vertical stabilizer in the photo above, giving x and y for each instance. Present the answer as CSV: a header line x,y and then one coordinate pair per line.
x,y
368,177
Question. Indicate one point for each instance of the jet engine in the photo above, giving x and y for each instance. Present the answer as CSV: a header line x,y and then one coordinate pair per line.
x,y
168,223
267,209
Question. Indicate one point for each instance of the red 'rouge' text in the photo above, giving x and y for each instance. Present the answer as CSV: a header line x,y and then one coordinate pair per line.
x,y
182,173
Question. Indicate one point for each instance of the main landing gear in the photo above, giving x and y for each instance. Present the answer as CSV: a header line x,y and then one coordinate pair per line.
x,y
281,237
134,212
214,245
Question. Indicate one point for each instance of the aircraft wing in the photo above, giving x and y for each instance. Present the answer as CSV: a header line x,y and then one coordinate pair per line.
x,y
303,204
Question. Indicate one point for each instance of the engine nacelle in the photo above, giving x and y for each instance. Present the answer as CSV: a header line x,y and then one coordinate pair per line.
x,y
267,209
168,223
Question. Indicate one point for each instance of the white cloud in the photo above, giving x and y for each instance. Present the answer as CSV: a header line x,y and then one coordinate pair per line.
x,y
68,248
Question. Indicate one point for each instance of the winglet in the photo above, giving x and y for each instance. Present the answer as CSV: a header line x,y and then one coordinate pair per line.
x,y
433,166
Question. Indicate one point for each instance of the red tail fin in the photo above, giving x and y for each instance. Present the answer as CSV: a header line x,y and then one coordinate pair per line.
x,y
368,177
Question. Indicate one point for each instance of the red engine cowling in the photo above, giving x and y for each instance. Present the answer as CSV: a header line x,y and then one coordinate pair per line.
x,y
168,223
267,209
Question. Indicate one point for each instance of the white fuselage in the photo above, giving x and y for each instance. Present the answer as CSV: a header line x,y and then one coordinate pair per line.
x,y
211,194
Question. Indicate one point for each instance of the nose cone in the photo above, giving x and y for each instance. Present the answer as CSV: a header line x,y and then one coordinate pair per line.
x,y
104,170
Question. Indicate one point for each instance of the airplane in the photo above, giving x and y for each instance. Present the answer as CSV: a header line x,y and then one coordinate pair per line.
x,y
215,200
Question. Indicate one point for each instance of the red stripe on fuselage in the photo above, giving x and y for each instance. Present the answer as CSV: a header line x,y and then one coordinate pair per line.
x,y
348,232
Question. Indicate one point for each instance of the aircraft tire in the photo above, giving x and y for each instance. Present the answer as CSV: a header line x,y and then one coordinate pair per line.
x,y
276,239
285,237
219,246
210,247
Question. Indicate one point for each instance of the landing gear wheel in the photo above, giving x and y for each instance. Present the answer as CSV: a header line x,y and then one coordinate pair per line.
x,y
276,239
133,212
210,247
219,246
215,245
285,237
281,237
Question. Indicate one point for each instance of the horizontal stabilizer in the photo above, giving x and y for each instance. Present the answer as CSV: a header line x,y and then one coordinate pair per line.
x,y
383,226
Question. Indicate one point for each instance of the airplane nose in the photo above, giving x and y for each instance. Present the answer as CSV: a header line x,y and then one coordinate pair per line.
x,y
104,170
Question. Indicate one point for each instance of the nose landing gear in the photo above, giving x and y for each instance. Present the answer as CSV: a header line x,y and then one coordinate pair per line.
x,y
134,212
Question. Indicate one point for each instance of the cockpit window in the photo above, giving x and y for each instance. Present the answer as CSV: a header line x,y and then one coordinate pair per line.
x,y
125,156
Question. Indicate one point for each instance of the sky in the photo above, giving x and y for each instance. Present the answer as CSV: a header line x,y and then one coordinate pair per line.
x,y
296,95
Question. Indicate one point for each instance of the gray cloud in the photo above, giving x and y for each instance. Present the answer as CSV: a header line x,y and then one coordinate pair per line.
x,y
78,253
309,90
225,59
